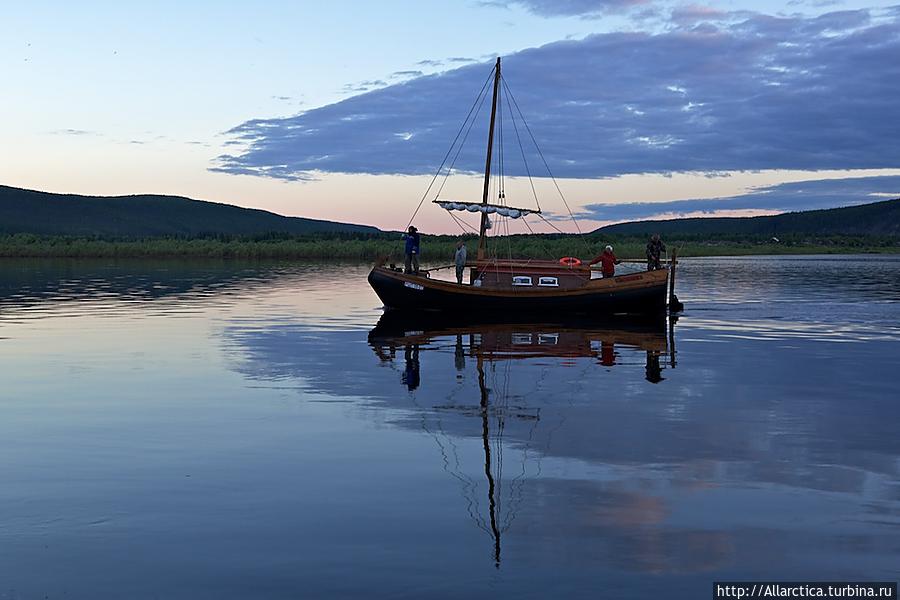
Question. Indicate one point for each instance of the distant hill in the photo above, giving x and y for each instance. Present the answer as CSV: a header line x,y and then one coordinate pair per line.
x,y
28,211
878,218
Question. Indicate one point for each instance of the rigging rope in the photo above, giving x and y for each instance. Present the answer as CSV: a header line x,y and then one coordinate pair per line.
x,y
461,223
544,247
547,166
521,148
498,183
450,149
550,223
508,241
461,144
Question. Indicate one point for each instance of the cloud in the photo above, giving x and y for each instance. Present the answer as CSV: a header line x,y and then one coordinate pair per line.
x,y
573,8
692,13
747,92
364,86
401,74
800,195
73,132
814,3
453,60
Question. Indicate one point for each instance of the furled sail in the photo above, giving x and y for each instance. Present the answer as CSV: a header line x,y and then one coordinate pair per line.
x,y
490,209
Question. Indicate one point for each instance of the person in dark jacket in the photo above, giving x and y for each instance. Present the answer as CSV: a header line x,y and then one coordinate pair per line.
x,y
412,250
608,262
655,249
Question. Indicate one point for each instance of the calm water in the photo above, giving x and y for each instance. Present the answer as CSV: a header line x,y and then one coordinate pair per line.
x,y
211,430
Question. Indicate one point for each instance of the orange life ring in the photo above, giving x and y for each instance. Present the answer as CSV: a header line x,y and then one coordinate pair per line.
x,y
570,261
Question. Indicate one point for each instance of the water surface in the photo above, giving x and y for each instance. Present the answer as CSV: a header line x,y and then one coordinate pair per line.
x,y
229,430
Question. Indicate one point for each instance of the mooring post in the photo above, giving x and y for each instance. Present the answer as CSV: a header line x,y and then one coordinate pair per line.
x,y
672,300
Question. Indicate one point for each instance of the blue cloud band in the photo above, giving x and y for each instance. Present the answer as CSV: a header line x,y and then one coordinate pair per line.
x,y
745,92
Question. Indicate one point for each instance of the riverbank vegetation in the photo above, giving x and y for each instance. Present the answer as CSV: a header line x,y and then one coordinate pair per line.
x,y
434,248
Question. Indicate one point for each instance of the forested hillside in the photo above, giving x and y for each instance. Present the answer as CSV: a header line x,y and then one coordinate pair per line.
x,y
43,213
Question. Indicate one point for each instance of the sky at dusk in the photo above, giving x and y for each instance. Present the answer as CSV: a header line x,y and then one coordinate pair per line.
x,y
345,110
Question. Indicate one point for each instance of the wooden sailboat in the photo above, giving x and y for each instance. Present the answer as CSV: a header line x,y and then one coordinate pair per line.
x,y
520,285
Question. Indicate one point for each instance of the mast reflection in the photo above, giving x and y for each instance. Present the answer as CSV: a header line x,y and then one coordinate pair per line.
x,y
491,343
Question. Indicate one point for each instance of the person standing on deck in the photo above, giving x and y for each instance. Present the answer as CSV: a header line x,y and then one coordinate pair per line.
x,y
412,250
608,262
655,249
460,259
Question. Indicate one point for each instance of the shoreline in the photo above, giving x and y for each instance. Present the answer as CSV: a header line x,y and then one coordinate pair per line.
x,y
434,248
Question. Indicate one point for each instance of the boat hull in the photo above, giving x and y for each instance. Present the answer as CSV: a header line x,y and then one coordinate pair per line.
x,y
634,294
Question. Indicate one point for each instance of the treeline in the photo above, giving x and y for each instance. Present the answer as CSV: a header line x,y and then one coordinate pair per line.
x,y
364,246
263,246
719,244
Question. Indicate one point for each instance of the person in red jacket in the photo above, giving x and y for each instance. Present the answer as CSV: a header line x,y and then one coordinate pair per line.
x,y
608,262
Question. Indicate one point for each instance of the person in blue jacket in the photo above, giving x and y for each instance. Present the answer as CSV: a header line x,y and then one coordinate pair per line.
x,y
412,250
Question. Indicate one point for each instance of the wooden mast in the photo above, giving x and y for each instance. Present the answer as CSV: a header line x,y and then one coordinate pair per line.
x,y
487,162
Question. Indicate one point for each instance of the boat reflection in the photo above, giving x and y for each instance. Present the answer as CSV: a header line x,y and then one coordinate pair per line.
x,y
488,344
517,339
